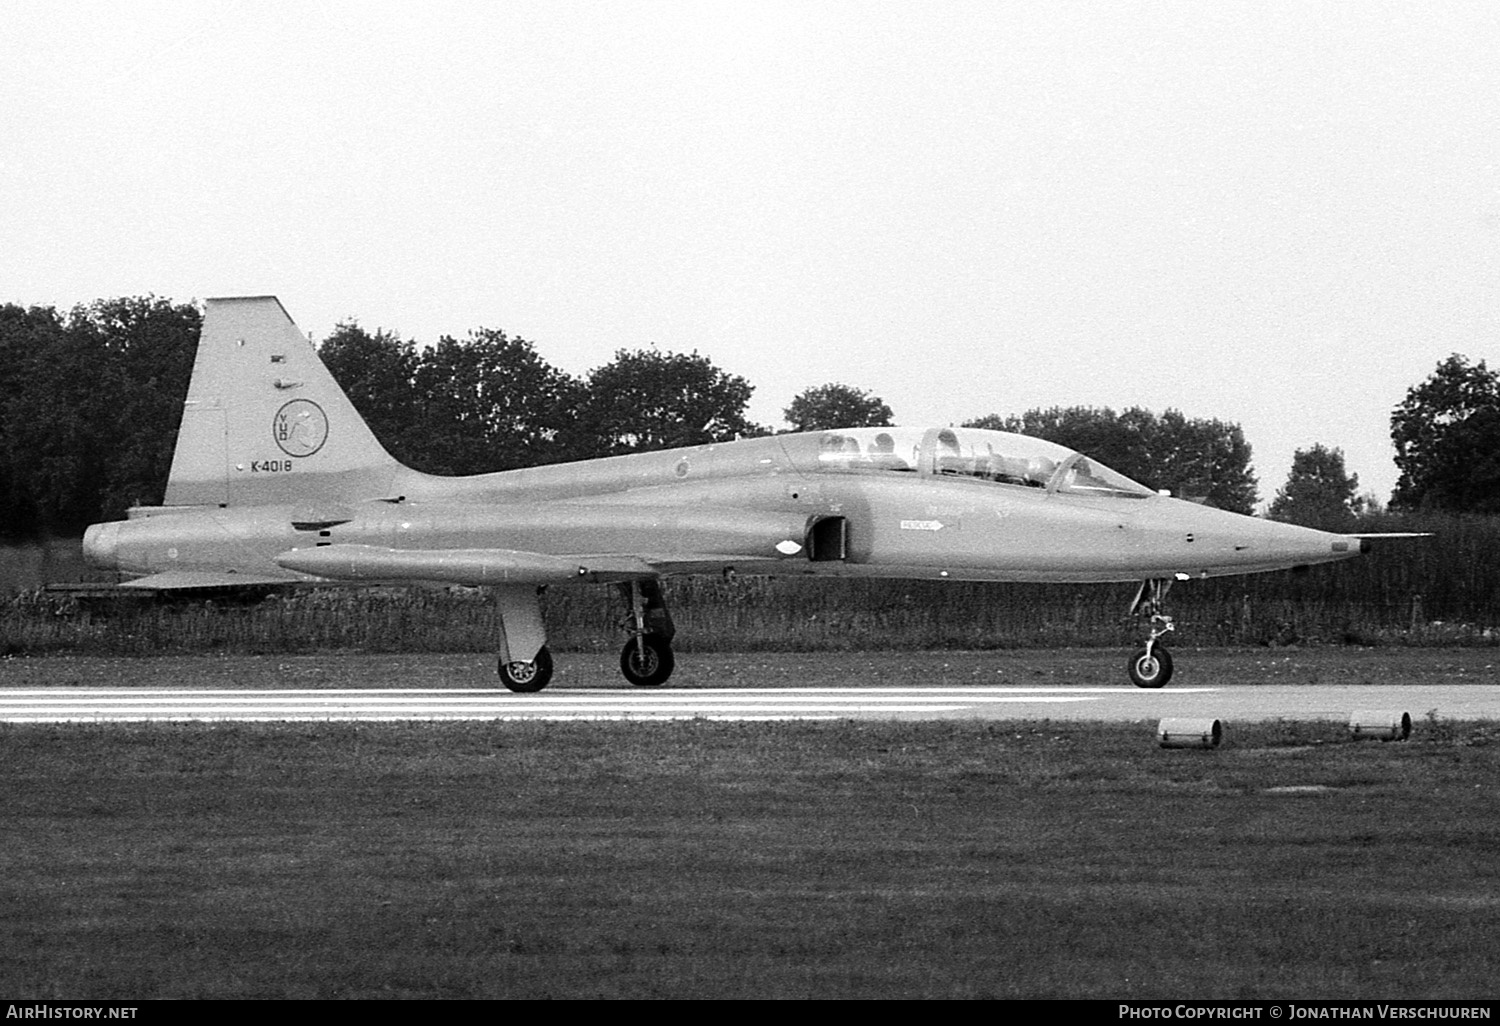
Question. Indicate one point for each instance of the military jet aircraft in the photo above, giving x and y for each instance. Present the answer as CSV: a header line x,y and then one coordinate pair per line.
x,y
277,480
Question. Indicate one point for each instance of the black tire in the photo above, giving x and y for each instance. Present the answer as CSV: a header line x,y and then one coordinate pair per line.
x,y
527,678
651,668
1151,670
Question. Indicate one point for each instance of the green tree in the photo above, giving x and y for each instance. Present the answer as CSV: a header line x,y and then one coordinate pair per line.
x,y
150,344
1318,492
28,337
379,373
490,402
649,400
89,409
1200,459
836,406
1447,438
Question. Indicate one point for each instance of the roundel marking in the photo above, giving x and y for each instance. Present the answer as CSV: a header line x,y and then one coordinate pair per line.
x,y
300,427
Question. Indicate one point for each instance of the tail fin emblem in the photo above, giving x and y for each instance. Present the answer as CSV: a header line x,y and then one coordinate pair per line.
x,y
300,427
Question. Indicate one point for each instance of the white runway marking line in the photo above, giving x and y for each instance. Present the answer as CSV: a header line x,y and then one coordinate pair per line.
x,y
967,691
101,705
539,717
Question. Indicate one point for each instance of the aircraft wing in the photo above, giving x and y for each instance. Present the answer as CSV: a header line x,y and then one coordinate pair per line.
x,y
173,580
712,563
495,566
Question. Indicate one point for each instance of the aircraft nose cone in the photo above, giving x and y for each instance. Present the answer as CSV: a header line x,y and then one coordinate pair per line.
x,y
101,544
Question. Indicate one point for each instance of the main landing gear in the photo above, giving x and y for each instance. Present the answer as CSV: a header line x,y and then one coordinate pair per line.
x,y
646,660
1151,667
527,677
525,664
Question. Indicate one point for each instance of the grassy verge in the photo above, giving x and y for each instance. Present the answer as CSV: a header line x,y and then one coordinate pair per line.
x,y
751,615
1028,667
733,860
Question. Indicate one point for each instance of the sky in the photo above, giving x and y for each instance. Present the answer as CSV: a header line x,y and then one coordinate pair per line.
x,y
1282,215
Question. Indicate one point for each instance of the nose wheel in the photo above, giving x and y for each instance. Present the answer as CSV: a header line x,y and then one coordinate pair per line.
x,y
1151,667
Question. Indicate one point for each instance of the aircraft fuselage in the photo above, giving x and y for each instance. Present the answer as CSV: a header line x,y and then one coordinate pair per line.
x,y
750,506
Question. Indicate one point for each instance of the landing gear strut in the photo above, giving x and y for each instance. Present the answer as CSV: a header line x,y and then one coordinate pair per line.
x,y
646,660
519,616
1151,667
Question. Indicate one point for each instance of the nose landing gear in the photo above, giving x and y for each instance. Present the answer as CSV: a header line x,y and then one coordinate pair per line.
x,y
1151,667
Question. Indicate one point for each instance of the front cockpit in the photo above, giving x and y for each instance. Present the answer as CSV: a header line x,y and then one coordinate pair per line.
x,y
996,457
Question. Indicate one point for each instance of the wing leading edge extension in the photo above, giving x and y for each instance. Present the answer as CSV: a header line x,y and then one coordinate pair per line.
x,y
475,567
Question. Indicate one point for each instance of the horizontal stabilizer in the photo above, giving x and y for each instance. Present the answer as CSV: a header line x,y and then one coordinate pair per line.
x,y
458,566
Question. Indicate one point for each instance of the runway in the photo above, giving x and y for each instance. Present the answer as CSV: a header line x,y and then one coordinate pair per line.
x,y
993,702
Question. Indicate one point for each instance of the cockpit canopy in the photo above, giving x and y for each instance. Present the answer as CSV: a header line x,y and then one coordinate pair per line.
x,y
994,456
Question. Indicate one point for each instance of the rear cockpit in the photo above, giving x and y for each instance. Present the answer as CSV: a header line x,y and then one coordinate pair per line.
x,y
969,453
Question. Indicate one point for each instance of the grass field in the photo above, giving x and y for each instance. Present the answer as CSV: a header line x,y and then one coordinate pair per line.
x,y
746,860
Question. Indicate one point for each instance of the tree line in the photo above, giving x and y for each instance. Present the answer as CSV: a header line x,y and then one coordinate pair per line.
x,y
90,401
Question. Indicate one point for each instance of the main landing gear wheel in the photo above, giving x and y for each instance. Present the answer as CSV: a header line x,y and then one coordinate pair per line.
x,y
647,660
1151,667
527,677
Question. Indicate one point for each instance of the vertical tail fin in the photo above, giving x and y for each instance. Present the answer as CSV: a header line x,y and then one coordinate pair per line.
x,y
265,422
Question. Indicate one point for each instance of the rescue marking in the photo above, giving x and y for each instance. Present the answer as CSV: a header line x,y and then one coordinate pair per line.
x,y
921,525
